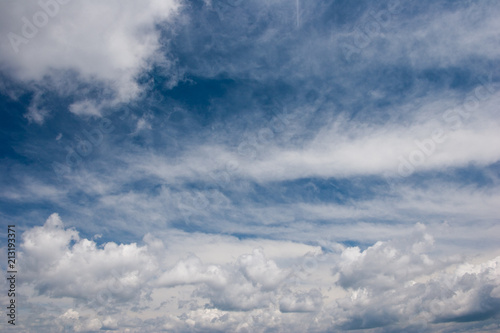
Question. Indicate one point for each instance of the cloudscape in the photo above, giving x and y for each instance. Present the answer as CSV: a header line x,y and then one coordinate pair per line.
x,y
250,166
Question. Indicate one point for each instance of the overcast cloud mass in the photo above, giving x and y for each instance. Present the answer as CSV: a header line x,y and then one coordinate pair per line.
x,y
251,166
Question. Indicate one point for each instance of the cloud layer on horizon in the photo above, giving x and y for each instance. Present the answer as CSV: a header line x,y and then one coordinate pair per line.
x,y
392,285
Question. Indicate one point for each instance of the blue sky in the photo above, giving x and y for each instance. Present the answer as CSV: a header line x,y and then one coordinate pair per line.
x,y
252,166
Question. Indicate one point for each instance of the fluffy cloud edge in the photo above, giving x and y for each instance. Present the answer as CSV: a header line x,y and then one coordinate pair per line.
x,y
392,284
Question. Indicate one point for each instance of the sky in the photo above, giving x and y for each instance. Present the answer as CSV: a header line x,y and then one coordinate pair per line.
x,y
251,166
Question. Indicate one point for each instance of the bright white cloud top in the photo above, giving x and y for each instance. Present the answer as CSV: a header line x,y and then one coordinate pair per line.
x,y
251,166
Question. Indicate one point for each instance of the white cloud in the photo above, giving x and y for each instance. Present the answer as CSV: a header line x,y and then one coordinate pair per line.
x,y
301,301
36,115
382,265
60,264
191,271
31,189
71,319
85,108
444,297
261,271
105,43
449,38
249,283
435,137
397,284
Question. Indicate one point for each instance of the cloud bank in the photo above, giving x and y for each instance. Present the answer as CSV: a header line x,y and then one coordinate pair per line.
x,y
392,285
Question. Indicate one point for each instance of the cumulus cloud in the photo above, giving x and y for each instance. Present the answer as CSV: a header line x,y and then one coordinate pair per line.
x,y
464,296
192,271
393,284
247,284
72,319
261,271
105,43
61,264
397,283
301,301
383,264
